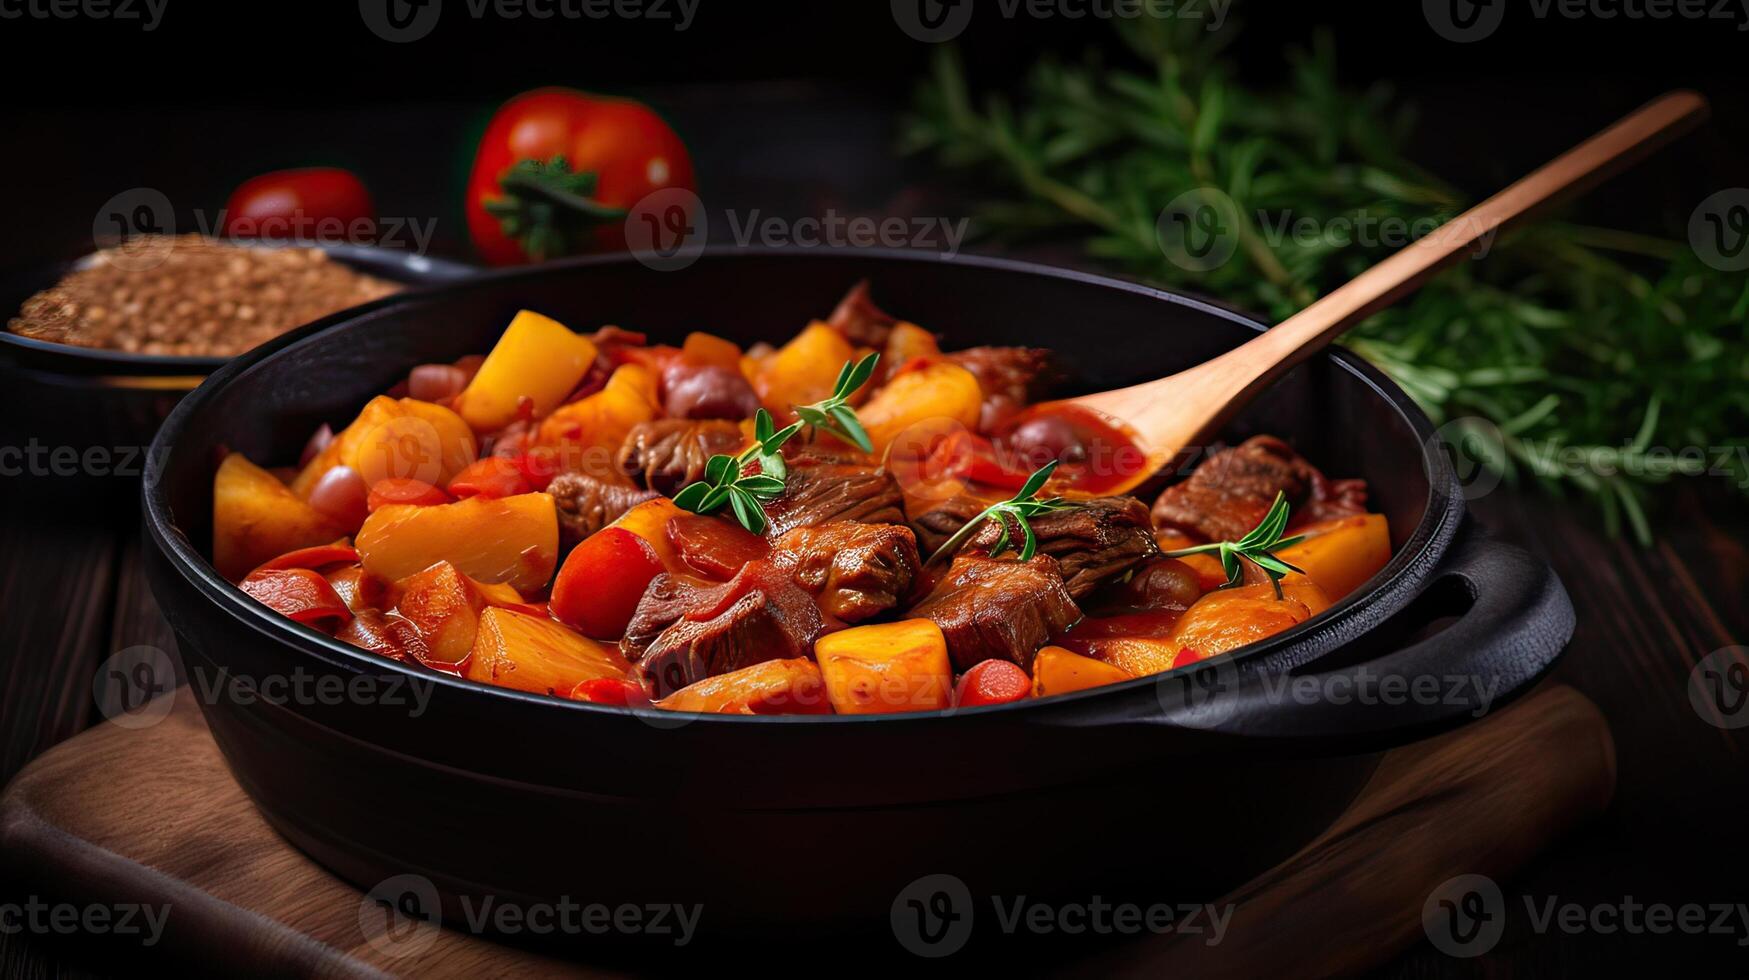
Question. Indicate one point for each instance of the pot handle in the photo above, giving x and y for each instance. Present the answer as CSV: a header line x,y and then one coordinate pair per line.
x,y
1517,622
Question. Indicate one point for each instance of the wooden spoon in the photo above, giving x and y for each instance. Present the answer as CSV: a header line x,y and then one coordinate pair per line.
x,y
1177,413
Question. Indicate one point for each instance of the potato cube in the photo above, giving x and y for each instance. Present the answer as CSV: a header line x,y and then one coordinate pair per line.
x,y
527,653
537,358
508,539
257,518
886,667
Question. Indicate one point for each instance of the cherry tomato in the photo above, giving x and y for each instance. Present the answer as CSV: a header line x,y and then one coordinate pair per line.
x,y
298,594
405,490
309,203
627,148
492,477
992,682
602,580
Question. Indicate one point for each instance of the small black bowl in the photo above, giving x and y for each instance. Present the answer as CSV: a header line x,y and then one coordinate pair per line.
x,y
1173,787
84,416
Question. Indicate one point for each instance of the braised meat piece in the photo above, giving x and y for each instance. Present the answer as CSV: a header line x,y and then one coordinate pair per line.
x,y
822,488
860,320
854,570
667,454
994,608
1231,491
1158,584
587,504
1012,378
758,615
1097,541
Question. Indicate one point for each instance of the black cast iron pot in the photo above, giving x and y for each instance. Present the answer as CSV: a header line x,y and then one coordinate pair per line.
x,y
1167,787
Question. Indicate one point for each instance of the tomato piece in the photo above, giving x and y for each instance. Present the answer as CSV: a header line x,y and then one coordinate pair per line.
x,y
601,582
298,594
538,465
492,477
992,682
969,456
317,557
714,547
405,490
305,203
608,690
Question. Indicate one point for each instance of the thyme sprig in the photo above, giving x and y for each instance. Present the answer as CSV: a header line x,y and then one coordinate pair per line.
x,y
834,414
729,481
1258,547
1022,505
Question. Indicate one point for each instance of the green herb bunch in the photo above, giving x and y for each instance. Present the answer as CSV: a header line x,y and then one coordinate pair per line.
x,y
1583,357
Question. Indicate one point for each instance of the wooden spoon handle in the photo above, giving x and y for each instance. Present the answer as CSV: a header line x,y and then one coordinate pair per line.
x,y
1589,163
1187,409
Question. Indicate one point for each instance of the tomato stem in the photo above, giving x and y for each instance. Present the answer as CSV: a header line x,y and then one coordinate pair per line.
x,y
547,208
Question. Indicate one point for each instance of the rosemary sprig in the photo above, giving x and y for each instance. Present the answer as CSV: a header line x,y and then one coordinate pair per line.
x,y
1258,547
1588,357
727,480
1018,507
834,414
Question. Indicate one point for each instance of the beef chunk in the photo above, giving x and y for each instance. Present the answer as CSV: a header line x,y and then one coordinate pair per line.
x,y
1012,378
854,570
758,615
1097,541
587,504
1231,491
822,488
999,608
860,320
667,454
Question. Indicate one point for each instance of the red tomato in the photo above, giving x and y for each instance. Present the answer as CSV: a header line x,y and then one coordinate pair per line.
x,y
992,682
598,589
314,202
607,690
405,490
627,148
298,594
714,547
492,477
316,557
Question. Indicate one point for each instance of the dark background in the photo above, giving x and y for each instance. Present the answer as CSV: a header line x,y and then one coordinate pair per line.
x,y
772,96
790,106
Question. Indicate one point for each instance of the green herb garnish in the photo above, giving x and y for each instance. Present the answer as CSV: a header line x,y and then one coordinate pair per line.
x,y
1579,357
727,482
834,414
1256,547
1018,507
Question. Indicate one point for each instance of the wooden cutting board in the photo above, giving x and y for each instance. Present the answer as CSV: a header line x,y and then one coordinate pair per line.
x,y
152,817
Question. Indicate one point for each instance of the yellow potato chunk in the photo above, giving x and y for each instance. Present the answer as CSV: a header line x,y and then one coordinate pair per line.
x,y
937,393
256,518
802,371
527,653
1137,655
1059,671
886,667
424,442
649,520
1341,554
1227,619
774,687
513,540
537,358
588,432
445,606
345,444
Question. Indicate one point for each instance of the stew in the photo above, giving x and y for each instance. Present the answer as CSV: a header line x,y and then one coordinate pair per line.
x,y
857,521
